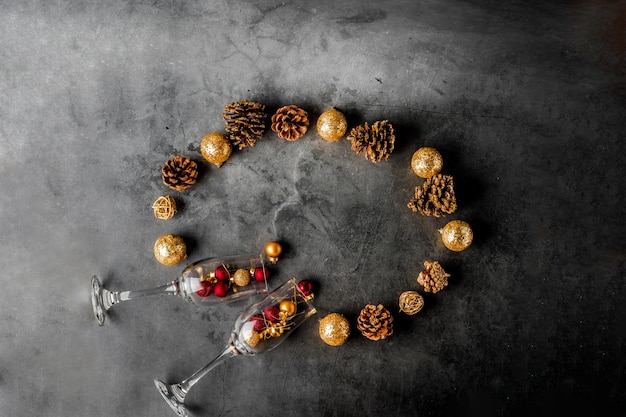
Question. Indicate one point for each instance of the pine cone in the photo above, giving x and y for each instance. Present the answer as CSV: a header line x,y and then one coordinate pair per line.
x,y
375,322
179,173
290,122
434,278
435,197
245,122
376,141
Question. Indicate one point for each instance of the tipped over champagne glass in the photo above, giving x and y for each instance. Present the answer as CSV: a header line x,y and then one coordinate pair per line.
x,y
206,282
260,328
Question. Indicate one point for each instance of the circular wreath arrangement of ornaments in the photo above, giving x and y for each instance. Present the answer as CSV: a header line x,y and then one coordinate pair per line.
x,y
246,122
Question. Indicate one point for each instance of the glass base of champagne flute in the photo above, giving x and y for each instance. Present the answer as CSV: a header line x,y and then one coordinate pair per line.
x,y
260,328
206,282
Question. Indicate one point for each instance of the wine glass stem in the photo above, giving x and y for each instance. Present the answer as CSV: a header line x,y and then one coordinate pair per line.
x,y
186,384
113,297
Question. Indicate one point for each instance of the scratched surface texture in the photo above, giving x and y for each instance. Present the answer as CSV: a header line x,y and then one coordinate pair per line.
x,y
525,101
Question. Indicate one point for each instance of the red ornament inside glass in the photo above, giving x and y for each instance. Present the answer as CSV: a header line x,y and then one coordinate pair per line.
x,y
205,290
222,274
261,273
220,289
306,287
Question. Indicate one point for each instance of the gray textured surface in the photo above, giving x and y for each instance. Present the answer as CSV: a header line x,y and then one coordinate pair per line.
x,y
525,102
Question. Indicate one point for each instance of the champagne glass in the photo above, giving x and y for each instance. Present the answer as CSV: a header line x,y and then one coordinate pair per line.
x,y
206,282
260,328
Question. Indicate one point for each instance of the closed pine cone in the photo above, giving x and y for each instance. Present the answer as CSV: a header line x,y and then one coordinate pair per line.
x,y
245,122
435,197
434,278
179,173
375,322
375,141
290,122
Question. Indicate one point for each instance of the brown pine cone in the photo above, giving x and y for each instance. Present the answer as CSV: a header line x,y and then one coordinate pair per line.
x,y
434,278
375,322
290,122
245,122
376,141
435,197
179,173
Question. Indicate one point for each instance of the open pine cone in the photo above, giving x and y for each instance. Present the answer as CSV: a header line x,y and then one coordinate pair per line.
x,y
435,197
245,122
375,322
290,122
179,173
375,141
434,278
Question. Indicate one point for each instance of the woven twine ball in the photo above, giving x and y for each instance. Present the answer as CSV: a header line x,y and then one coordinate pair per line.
x,y
411,302
164,207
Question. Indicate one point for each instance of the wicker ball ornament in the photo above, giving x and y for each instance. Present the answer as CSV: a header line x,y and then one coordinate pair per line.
x,y
216,148
457,235
332,125
164,207
334,329
411,302
170,249
426,162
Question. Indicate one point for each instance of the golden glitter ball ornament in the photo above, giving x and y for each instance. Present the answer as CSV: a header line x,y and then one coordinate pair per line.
x,y
215,148
242,277
457,235
253,338
273,250
426,162
334,329
332,125
170,249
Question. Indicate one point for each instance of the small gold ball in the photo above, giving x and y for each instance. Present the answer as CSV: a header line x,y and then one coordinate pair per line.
x,y
215,148
170,249
332,125
457,235
253,338
241,277
273,250
288,307
426,162
334,329
411,302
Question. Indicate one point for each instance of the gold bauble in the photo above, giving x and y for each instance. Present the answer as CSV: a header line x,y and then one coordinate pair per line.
x,y
334,329
426,162
288,307
457,235
170,249
253,338
241,277
332,125
273,251
215,148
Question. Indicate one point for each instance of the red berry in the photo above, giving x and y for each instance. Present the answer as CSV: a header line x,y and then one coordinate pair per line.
x,y
221,289
222,274
306,287
259,323
261,273
205,290
271,313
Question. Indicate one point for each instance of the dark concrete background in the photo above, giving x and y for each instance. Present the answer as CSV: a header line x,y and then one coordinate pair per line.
x,y
525,100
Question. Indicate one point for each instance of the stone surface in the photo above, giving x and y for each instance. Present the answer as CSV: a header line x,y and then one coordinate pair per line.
x,y
525,101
